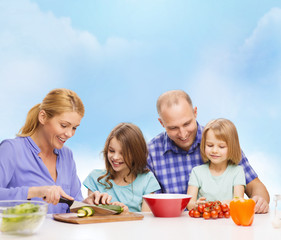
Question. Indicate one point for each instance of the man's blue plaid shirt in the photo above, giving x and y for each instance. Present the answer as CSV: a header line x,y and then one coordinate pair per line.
x,y
172,165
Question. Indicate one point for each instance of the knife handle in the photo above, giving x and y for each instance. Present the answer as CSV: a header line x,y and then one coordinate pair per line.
x,y
64,200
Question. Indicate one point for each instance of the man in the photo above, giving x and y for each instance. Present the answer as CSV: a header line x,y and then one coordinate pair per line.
x,y
173,153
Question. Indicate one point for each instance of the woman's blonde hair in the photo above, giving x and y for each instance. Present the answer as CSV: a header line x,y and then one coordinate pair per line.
x,y
224,130
56,102
134,151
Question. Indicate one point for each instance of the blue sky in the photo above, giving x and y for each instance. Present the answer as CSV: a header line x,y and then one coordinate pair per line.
x,y
119,56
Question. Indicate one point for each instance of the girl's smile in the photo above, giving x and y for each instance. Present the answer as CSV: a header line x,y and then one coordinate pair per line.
x,y
115,157
216,150
116,164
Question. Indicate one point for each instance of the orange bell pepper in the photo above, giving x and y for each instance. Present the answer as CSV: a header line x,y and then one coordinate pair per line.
x,y
242,211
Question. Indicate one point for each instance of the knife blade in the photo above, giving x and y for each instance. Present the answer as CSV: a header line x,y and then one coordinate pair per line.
x,y
75,205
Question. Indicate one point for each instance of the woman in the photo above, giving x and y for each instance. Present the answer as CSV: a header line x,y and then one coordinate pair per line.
x,y
36,164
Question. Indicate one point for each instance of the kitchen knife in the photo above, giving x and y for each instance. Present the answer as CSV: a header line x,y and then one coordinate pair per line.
x,y
75,205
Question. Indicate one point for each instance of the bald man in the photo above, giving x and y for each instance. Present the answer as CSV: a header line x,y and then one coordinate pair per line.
x,y
174,152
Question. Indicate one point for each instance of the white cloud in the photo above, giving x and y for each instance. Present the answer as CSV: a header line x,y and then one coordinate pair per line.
x,y
232,82
268,29
260,55
38,53
214,91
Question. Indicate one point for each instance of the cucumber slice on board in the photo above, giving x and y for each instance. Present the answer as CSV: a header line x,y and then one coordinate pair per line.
x,y
85,212
82,213
90,211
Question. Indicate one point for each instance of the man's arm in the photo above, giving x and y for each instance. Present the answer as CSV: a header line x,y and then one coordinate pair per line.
x,y
258,192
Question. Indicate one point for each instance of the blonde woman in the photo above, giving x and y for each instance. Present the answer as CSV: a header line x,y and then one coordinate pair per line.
x,y
220,178
36,164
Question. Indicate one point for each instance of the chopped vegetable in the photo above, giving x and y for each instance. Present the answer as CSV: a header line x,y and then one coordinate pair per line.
x,y
82,213
22,217
85,211
90,211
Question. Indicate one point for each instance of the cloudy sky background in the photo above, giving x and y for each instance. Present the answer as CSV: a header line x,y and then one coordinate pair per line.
x,y
120,55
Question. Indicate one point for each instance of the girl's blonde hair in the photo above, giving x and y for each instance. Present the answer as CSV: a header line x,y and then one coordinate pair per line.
x,y
134,151
224,130
56,102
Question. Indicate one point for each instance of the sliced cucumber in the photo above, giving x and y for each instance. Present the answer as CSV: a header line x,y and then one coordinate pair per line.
x,y
90,211
82,213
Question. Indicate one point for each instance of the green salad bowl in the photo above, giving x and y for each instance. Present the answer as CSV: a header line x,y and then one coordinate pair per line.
x,y
21,217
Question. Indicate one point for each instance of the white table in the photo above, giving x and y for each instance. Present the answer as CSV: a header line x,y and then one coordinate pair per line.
x,y
151,227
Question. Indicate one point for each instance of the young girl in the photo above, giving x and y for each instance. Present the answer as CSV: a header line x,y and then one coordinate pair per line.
x,y
220,178
126,177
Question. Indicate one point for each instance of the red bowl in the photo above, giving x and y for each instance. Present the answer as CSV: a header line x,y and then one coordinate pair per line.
x,y
167,205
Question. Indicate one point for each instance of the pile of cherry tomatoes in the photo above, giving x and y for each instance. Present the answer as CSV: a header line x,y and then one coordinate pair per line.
x,y
210,210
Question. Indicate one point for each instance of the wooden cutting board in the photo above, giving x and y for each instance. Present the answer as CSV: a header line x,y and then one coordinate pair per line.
x,y
72,218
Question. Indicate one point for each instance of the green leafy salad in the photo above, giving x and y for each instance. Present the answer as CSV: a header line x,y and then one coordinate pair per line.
x,y
21,218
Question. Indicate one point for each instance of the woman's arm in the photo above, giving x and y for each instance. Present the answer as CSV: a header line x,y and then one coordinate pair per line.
x,y
50,194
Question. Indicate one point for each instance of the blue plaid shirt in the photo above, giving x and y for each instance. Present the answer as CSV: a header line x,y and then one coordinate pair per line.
x,y
172,165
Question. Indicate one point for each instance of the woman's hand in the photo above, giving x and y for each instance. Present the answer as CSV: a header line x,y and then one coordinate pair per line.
x,y
98,198
125,208
50,194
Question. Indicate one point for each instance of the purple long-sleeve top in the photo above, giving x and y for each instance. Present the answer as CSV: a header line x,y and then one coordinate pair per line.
x,y
21,168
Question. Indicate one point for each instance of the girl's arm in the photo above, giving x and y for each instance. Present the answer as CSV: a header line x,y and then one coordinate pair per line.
x,y
193,191
97,198
237,192
103,198
125,208
90,192
145,207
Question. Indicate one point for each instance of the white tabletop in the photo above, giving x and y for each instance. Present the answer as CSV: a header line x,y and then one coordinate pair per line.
x,y
151,227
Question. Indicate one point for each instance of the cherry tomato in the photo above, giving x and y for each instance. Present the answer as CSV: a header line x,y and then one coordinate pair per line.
x,y
207,209
218,202
207,204
212,209
191,213
196,214
227,214
224,207
214,214
206,215
201,208
220,215
217,208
